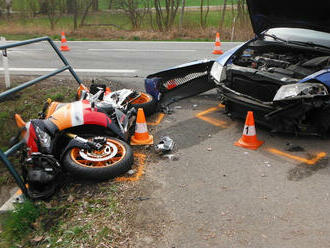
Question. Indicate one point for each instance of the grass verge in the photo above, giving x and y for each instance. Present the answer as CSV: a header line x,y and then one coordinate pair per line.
x,y
80,215
24,28
18,223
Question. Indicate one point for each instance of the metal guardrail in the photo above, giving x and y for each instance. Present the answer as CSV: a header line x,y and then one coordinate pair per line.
x,y
4,155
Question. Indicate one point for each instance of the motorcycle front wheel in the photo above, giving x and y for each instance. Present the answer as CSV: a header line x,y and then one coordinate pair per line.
x,y
115,158
145,101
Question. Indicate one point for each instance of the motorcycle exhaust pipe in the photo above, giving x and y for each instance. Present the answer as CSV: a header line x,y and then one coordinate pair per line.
x,y
93,145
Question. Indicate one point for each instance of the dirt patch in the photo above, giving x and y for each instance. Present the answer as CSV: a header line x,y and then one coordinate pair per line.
x,y
190,32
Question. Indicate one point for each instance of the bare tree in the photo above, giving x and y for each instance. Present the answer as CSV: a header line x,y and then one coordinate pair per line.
x,y
135,10
43,6
165,19
242,12
95,5
183,3
54,10
80,9
8,7
204,14
110,4
32,7
223,14
70,6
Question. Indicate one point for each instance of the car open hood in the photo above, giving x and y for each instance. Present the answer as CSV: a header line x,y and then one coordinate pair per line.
x,y
266,14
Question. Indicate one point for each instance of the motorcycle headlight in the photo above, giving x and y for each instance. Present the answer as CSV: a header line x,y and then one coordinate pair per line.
x,y
44,138
218,72
300,90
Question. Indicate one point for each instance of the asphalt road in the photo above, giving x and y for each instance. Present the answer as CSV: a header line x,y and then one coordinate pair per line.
x,y
114,59
219,195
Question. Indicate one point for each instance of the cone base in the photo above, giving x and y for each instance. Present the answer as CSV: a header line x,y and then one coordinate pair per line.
x,y
136,142
254,146
217,52
65,49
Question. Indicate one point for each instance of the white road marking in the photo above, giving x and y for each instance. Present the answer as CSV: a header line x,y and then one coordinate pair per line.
x,y
140,50
76,70
25,50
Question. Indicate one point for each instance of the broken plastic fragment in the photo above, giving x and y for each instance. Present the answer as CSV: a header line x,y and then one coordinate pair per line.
x,y
131,172
167,110
294,148
171,157
165,144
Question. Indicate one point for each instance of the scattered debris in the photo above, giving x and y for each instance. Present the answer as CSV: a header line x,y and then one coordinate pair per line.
x,y
171,157
70,198
37,239
166,144
131,172
140,198
294,148
267,164
167,110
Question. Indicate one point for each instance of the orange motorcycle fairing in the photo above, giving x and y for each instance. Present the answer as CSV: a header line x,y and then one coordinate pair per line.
x,y
78,113
80,89
51,109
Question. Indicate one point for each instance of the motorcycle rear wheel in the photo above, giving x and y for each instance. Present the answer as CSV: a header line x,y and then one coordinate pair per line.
x,y
147,102
114,159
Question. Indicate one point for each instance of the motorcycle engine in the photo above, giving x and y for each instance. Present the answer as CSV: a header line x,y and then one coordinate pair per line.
x,y
40,173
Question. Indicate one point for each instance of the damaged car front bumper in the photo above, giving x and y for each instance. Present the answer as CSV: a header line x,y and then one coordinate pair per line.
x,y
180,82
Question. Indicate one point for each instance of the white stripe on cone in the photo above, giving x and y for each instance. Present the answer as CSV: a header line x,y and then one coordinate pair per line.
x,y
141,128
249,130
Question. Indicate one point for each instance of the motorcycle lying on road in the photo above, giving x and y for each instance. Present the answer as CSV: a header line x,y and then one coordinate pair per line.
x,y
85,139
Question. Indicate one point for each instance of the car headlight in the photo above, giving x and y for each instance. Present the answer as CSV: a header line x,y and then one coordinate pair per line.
x,y
300,90
218,72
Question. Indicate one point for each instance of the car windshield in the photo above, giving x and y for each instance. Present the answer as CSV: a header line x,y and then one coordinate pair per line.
x,y
299,35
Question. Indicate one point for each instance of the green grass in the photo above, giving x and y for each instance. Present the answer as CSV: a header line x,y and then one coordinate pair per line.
x,y
18,223
19,5
191,19
104,4
28,103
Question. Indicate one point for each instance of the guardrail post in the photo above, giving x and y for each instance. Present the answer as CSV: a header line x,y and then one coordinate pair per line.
x,y
67,66
14,173
5,63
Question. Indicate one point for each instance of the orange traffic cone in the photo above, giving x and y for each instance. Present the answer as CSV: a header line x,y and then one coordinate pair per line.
x,y
217,45
64,44
249,138
141,135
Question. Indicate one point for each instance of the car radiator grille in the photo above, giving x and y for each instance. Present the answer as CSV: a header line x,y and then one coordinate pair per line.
x,y
261,90
180,80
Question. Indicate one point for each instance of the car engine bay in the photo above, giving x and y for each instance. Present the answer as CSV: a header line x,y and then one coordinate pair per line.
x,y
260,70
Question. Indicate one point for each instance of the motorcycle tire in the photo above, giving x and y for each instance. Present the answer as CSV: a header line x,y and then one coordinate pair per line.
x,y
147,102
115,159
